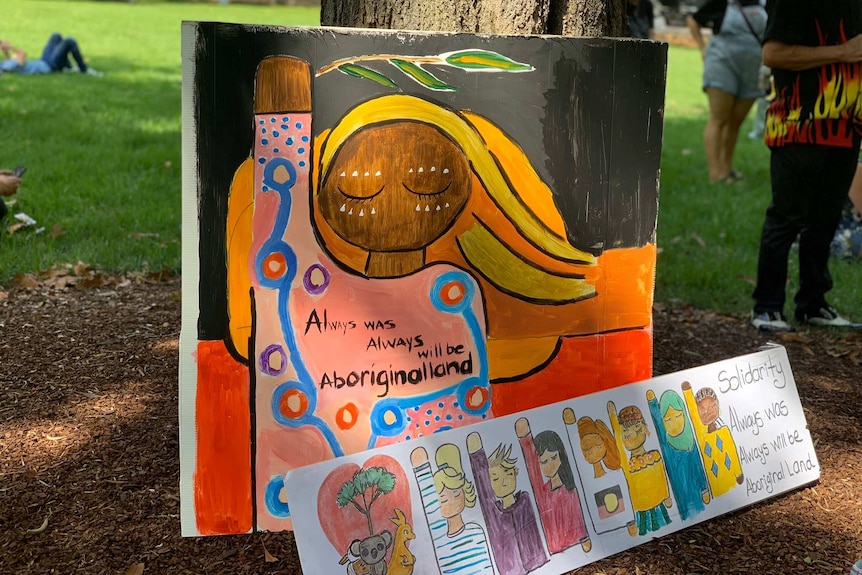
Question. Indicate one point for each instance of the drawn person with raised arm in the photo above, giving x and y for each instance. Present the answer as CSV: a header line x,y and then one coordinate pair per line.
x,y
553,483
605,495
509,515
682,458
461,546
716,444
644,470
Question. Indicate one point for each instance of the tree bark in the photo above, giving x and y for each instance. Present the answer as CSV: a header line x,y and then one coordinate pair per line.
x,y
519,17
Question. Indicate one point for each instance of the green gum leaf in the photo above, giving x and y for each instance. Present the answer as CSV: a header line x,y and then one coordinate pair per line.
x,y
485,60
358,71
422,76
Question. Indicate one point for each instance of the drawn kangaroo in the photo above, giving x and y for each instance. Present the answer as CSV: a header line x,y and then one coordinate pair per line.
x,y
402,559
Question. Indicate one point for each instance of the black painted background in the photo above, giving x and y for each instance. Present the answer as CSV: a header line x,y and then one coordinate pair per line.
x,y
589,117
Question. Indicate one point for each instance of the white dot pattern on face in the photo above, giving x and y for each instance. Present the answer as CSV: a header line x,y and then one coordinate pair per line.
x,y
378,173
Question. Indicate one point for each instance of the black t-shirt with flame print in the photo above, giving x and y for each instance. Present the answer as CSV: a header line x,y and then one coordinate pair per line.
x,y
821,105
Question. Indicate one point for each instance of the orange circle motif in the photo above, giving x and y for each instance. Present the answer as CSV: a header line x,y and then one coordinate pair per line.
x,y
347,416
293,404
452,292
274,265
476,397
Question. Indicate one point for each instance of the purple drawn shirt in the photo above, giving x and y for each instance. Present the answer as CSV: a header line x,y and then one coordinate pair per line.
x,y
513,532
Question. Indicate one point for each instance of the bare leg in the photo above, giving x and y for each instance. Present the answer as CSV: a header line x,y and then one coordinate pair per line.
x,y
738,113
721,106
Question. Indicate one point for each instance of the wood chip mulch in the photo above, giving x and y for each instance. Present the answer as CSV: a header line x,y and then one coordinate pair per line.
x,y
89,462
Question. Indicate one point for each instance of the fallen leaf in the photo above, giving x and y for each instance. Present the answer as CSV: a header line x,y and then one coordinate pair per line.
x,y
698,239
40,529
56,231
26,281
81,269
793,337
685,152
268,557
136,569
168,164
92,282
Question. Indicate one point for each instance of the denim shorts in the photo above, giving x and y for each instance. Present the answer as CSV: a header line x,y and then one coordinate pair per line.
x,y
732,68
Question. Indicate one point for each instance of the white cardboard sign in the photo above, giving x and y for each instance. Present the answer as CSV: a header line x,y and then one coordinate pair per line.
x,y
560,486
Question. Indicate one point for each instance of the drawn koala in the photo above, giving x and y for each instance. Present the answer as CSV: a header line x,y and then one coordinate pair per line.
x,y
372,551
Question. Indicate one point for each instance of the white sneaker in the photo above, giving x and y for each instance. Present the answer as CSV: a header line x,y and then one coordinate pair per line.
x,y
828,317
94,72
772,322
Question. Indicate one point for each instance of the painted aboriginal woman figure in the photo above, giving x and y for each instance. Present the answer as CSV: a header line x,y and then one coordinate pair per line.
x,y
605,493
644,470
512,525
553,481
681,455
716,444
402,183
445,494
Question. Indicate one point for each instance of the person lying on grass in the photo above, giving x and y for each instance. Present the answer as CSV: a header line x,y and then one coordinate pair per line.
x,y
55,58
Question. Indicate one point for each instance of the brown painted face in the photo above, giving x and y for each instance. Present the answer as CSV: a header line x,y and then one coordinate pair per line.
x,y
395,187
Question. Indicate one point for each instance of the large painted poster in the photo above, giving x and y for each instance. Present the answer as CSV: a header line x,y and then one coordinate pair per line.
x,y
392,234
553,488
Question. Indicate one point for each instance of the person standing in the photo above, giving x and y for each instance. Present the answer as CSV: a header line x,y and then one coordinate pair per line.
x,y
641,18
813,133
731,65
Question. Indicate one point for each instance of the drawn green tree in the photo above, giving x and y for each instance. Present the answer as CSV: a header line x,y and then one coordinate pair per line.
x,y
364,488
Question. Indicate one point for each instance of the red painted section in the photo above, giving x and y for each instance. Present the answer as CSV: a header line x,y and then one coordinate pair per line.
x,y
222,481
600,362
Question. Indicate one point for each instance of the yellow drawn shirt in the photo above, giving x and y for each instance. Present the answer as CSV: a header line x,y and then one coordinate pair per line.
x,y
718,449
645,474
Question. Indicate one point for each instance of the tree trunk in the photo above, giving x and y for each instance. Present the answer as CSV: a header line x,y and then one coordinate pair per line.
x,y
565,17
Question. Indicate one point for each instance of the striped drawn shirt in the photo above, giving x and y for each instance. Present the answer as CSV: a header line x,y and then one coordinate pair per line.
x,y
465,552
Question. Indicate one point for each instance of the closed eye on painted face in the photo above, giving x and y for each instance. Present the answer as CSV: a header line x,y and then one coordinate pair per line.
x,y
394,187
707,408
452,502
549,461
593,447
503,481
634,436
674,422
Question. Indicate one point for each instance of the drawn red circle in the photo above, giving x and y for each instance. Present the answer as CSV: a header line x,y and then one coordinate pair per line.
x,y
274,265
293,411
448,289
471,400
347,416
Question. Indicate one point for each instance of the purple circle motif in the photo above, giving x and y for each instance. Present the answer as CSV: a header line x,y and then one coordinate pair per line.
x,y
265,364
309,284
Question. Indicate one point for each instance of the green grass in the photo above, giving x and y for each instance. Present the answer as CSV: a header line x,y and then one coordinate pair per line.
x,y
104,156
